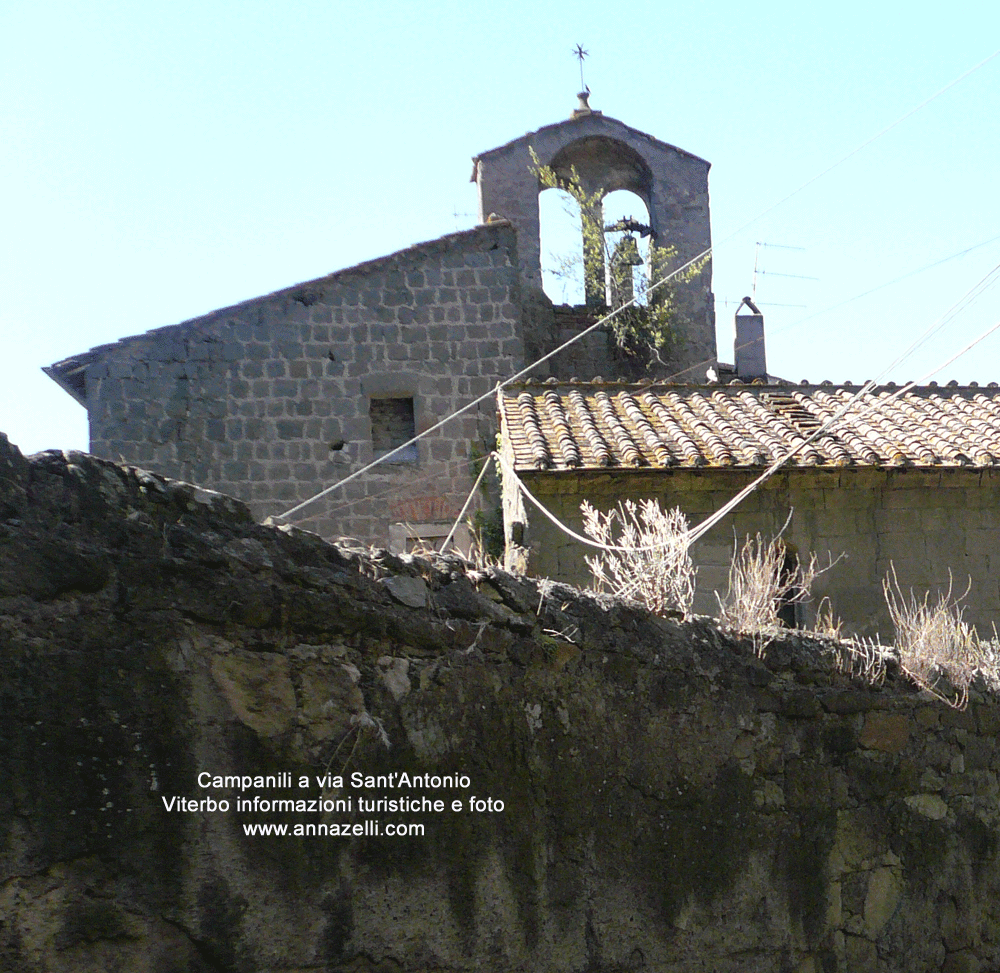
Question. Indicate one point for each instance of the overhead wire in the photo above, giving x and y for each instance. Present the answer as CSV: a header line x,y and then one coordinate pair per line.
x,y
902,118
600,322
709,522
884,285
439,470
944,319
696,533
971,296
838,306
730,505
513,378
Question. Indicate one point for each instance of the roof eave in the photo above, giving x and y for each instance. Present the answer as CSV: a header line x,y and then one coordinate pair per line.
x,y
70,376
64,372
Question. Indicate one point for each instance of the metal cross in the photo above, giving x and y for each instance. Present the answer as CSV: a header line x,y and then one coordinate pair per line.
x,y
579,53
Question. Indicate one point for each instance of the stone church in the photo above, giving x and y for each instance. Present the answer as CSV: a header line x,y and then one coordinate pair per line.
x,y
279,397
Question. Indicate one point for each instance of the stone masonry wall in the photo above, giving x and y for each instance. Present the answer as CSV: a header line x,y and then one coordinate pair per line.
x,y
922,523
671,801
675,183
607,154
268,400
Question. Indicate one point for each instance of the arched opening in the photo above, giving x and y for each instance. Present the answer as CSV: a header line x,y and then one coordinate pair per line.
x,y
624,262
576,253
604,163
561,241
626,247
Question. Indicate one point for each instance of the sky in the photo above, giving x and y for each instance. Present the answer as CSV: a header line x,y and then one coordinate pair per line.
x,y
159,160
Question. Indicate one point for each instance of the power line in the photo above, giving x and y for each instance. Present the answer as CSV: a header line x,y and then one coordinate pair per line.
x,y
890,283
609,317
836,307
726,508
444,468
696,533
524,371
865,144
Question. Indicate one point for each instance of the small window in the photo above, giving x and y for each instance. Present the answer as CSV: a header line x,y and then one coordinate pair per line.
x,y
393,425
423,538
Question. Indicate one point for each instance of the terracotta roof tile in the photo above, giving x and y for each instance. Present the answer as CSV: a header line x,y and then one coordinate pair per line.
x,y
603,425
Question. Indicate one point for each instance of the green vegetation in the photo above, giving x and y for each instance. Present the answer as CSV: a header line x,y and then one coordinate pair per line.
x,y
651,311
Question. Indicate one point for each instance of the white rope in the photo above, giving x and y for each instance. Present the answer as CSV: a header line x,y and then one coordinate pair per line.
x,y
508,471
468,500
937,368
465,408
713,519
698,532
617,311
709,522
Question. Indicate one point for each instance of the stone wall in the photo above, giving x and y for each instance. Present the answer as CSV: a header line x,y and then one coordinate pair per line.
x,y
609,155
924,523
269,400
671,802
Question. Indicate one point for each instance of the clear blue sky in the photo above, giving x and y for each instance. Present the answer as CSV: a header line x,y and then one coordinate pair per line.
x,y
162,159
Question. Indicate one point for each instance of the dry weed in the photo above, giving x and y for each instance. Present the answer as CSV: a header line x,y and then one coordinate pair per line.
x,y
827,624
938,649
479,553
761,582
652,564
863,659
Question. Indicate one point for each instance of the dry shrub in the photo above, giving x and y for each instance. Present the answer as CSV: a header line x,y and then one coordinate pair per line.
x,y
938,649
652,563
482,554
828,625
863,659
761,582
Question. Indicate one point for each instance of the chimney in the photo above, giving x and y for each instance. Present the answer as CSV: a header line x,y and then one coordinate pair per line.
x,y
751,361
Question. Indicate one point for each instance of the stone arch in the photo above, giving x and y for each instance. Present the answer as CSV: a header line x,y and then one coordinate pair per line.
x,y
601,166
606,164
608,155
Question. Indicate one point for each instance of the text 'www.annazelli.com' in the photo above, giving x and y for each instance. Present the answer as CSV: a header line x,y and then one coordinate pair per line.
x,y
345,806
360,829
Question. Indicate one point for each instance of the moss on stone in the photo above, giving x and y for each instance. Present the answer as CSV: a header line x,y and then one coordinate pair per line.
x,y
803,857
702,841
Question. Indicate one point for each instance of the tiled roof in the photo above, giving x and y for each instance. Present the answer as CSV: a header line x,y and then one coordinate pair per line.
x,y
553,426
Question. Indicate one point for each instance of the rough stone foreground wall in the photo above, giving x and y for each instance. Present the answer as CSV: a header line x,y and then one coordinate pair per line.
x,y
269,400
672,803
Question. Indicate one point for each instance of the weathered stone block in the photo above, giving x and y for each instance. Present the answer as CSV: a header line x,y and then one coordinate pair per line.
x,y
258,688
928,805
889,732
